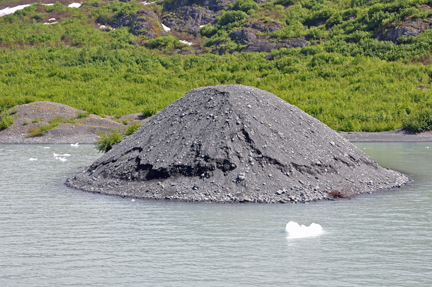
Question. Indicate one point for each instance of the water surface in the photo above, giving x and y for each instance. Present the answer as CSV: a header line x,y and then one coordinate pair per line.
x,y
51,235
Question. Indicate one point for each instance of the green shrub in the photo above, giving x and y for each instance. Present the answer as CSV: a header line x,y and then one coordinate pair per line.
x,y
106,140
132,128
5,120
149,111
82,115
25,123
231,17
36,120
244,5
419,121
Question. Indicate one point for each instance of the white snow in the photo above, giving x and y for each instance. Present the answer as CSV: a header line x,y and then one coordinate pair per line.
x,y
32,159
50,23
74,5
166,28
147,3
186,42
51,19
49,4
8,10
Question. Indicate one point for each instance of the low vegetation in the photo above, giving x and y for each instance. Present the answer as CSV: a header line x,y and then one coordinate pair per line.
x,y
52,123
345,76
106,140
5,120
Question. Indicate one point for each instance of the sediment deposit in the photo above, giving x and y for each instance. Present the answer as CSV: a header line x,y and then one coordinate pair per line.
x,y
235,144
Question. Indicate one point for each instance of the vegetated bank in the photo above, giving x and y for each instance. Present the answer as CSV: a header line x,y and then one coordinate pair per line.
x,y
235,144
355,65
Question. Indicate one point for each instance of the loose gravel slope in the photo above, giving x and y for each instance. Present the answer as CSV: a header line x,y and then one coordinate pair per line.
x,y
235,144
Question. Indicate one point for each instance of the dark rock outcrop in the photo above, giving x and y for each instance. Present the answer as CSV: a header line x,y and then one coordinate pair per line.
x,y
266,27
189,19
260,46
235,144
145,22
410,27
187,16
244,36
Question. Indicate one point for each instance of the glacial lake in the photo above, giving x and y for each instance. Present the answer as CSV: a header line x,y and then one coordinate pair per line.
x,y
51,235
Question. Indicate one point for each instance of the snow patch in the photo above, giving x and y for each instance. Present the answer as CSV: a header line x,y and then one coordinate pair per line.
x,y
74,5
186,42
8,10
166,28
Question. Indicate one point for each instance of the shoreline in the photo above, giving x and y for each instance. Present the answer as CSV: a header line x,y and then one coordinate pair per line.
x,y
354,137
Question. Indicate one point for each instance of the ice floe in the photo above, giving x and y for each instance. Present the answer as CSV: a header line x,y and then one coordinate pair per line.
x,y
296,230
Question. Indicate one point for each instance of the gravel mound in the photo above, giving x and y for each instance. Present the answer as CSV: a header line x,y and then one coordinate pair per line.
x,y
235,144
73,129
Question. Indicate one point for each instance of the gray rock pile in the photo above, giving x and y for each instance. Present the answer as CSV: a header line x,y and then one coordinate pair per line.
x,y
235,144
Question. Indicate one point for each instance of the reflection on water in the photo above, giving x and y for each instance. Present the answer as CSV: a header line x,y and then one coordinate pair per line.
x,y
51,235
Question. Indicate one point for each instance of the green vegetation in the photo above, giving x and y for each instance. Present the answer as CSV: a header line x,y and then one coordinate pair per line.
x,y
5,120
419,121
348,79
105,140
132,128
52,123
82,115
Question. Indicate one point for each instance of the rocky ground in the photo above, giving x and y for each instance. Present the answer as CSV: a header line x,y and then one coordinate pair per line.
x,y
76,125
235,144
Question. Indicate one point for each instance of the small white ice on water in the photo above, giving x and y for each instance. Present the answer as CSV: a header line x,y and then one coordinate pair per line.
x,y
295,230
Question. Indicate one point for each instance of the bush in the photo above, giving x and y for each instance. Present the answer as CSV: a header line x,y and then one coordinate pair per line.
x,y
231,17
419,121
245,5
106,140
132,128
5,120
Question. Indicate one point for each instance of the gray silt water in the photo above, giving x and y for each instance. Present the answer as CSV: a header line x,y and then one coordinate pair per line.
x,y
235,144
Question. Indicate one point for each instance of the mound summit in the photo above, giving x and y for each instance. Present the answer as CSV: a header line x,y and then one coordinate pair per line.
x,y
235,144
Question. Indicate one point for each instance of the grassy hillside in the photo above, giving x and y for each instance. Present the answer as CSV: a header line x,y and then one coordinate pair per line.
x,y
357,70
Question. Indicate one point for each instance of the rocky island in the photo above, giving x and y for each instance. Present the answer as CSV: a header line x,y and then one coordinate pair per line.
x,y
233,144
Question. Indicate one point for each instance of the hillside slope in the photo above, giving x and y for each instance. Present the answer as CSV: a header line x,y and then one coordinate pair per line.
x,y
357,65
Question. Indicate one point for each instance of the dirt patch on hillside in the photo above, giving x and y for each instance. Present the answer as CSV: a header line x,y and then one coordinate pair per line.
x,y
75,127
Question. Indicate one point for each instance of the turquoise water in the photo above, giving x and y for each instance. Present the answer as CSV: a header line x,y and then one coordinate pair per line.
x,y
51,235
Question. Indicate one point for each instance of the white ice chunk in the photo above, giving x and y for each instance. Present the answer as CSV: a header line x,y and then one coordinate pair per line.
x,y
295,230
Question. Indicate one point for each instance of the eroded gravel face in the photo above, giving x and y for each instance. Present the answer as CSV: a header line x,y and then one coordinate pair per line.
x,y
235,144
